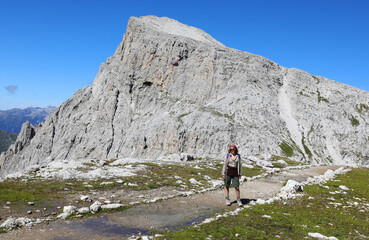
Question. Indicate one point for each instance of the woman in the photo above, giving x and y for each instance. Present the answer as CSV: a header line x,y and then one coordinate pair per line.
x,y
231,173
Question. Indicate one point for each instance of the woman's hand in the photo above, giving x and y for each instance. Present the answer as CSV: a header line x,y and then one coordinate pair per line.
x,y
239,176
223,177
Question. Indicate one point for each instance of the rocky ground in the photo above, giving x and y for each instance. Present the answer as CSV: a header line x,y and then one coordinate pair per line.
x,y
163,207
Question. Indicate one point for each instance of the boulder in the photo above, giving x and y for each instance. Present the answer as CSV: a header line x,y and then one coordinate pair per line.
x,y
96,206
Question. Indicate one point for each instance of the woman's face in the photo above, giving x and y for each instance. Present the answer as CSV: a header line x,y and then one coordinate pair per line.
x,y
232,150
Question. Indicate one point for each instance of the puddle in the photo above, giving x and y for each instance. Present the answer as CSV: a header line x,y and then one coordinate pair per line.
x,y
140,219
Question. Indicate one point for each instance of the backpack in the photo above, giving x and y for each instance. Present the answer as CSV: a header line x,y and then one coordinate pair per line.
x,y
239,155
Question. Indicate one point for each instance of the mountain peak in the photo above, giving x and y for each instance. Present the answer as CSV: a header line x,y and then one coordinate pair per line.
x,y
173,27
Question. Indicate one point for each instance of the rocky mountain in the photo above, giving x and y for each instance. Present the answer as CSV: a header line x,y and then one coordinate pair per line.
x,y
6,139
12,120
171,90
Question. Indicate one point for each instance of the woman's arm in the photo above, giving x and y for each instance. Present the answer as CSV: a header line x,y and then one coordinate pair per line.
x,y
239,166
225,164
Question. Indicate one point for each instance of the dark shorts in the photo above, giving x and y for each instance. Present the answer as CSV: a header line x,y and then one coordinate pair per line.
x,y
233,181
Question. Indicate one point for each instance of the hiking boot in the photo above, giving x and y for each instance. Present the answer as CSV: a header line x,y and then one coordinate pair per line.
x,y
239,202
228,203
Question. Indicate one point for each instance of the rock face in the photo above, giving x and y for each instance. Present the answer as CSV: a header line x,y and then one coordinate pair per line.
x,y
170,88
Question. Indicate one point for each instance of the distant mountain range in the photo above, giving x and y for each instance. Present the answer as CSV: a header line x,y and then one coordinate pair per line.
x,y
12,120
6,139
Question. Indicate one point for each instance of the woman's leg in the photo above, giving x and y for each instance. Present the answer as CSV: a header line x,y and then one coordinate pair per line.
x,y
237,191
227,191
239,202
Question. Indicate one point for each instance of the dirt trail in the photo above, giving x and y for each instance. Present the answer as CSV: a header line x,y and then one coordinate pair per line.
x,y
163,214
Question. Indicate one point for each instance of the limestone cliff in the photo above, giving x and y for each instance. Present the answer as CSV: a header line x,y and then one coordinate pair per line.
x,y
170,88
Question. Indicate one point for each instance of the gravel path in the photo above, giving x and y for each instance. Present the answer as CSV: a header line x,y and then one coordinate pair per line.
x,y
163,214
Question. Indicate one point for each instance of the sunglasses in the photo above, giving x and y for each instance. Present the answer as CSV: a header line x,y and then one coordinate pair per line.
x,y
232,149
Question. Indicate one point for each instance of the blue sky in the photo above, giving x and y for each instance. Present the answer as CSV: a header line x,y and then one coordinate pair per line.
x,y
50,49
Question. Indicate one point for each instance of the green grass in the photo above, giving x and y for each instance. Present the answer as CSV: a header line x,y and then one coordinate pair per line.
x,y
286,159
251,172
307,150
50,194
316,78
294,219
18,192
354,121
2,230
362,108
321,99
287,150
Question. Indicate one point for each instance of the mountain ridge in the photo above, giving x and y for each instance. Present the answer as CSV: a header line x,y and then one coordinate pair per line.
x,y
166,96
11,120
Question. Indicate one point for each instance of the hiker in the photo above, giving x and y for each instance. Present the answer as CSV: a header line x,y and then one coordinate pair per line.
x,y
231,173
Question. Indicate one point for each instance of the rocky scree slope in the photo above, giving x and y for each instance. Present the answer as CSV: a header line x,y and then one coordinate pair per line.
x,y
170,88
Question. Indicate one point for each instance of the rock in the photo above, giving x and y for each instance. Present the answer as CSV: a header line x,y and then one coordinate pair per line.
x,y
84,210
344,187
9,223
320,236
96,206
170,92
260,201
85,198
112,206
63,216
29,212
31,203
282,162
33,168
195,182
186,157
70,209
290,189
